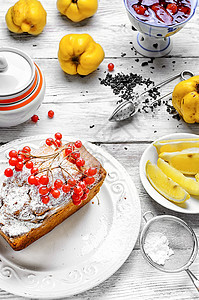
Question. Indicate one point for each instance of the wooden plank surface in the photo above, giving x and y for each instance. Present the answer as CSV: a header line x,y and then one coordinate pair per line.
x,y
82,107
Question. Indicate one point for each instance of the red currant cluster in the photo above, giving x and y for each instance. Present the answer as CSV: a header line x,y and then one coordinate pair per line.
x,y
17,159
78,189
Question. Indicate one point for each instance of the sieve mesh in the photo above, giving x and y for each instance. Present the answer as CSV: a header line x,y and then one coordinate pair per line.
x,y
181,240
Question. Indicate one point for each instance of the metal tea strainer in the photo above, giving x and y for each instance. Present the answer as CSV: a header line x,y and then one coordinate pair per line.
x,y
181,240
130,107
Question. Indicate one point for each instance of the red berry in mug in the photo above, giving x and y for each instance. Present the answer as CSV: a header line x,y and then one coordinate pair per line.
x,y
8,172
31,179
78,144
92,171
34,170
43,190
66,188
29,164
45,199
71,181
55,193
26,149
19,165
80,162
44,180
49,141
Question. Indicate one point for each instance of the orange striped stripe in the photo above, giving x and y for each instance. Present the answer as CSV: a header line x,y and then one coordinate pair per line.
x,y
28,100
23,95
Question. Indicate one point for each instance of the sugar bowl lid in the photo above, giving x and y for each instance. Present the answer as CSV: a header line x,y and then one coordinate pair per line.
x,y
17,71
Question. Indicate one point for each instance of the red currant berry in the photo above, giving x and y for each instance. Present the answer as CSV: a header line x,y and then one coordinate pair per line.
x,y
58,143
8,172
45,199
71,146
13,161
78,144
77,201
78,190
66,188
68,151
58,183
80,162
51,114
82,184
92,171
49,141
89,180
20,157
71,181
110,67
44,180
35,118
19,165
86,191
43,190
36,180
26,149
31,179
172,7
13,153
55,193
58,136
84,197
140,9
29,164
76,197
34,170
75,155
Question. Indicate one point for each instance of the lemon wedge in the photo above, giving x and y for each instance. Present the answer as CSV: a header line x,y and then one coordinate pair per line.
x,y
186,161
197,177
189,184
164,185
175,145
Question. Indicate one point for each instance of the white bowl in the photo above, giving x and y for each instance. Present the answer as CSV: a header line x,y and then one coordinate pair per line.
x,y
154,40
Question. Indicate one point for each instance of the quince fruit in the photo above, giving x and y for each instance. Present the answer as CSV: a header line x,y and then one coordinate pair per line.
x,y
164,185
79,54
77,10
26,16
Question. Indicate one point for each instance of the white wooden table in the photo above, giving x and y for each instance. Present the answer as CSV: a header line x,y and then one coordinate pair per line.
x,y
82,107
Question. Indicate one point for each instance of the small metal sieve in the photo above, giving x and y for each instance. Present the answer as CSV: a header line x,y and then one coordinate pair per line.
x,y
181,240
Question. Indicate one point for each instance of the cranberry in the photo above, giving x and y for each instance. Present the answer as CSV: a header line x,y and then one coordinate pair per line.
x,y
58,183
80,162
110,67
13,153
29,164
35,118
51,114
71,181
140,9
31,179
92,171
44,180
58,136
45,199
55,193
78,144
43,190
8,172
13,161
66,188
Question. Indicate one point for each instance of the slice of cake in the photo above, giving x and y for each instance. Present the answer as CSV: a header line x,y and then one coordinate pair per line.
x,y
45,186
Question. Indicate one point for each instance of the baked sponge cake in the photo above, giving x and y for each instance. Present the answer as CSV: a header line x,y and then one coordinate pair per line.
x,y
45,186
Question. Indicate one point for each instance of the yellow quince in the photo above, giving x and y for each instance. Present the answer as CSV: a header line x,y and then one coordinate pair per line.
x,y
77,10
26,16
79,54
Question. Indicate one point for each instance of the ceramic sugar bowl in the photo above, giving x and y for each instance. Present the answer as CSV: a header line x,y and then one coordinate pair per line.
x,y
22,87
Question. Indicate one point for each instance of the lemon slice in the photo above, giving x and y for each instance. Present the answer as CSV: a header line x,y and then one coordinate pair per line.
x,y
189,184
186,161
175,145
197,177
164,185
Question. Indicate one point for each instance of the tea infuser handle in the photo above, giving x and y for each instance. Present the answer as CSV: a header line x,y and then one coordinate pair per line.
x,y
194,279
146,214
184,73
3,64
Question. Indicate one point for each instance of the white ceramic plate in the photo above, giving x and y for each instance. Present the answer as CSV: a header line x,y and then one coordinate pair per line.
x,y
85,249
191,206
